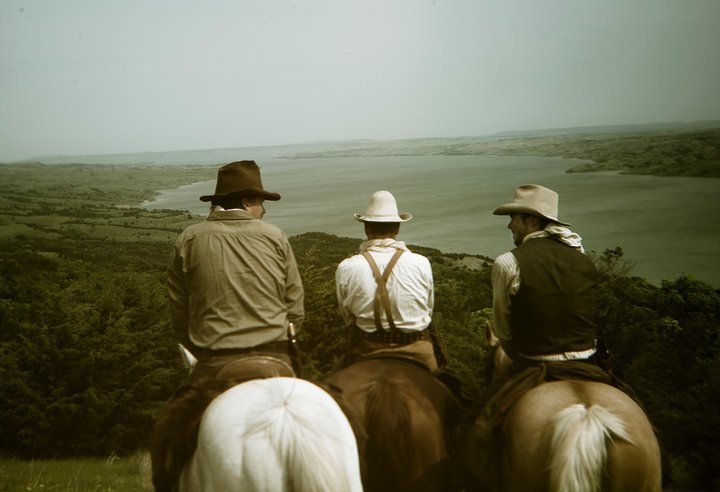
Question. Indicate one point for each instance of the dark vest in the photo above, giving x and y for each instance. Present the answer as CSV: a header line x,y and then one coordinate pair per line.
x,y
554,309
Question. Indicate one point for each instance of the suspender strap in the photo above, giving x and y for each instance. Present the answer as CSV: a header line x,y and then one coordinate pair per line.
x,y
382,299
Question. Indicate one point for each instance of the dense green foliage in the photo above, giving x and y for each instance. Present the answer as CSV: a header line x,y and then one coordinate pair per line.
x,y
84,344
666,344
88,358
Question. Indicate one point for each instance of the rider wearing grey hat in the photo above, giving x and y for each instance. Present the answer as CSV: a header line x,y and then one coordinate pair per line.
x,y
547,313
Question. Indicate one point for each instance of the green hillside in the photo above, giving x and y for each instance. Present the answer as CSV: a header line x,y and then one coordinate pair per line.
x,y
88,358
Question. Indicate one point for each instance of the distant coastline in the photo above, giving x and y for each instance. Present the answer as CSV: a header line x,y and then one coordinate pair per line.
x,y
693,153
663,149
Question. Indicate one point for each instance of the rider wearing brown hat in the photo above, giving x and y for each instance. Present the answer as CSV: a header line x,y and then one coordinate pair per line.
x,y
234,293
233,281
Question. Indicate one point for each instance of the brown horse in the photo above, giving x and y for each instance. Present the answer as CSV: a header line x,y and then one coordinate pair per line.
x,y
568,435
406,419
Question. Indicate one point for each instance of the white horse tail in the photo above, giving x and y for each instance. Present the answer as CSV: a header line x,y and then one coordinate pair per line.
x,y
279,434
315,441
579,447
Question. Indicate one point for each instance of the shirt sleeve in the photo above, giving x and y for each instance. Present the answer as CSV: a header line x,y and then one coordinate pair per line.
x,y
178,300
294,292
341,294
505,282
431,288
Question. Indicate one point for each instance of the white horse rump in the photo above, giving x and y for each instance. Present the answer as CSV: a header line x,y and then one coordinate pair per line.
x,y
276,434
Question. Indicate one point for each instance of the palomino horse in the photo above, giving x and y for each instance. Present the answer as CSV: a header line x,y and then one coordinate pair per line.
x,y
407,419
573,436
276,434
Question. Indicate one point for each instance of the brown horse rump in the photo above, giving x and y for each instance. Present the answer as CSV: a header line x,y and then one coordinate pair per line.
x,y
370,367
407,419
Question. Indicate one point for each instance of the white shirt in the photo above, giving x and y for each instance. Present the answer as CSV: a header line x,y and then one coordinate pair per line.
x,y
410,287
505,278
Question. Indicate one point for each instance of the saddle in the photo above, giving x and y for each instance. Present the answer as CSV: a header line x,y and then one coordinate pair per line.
x,y
254,367
489,411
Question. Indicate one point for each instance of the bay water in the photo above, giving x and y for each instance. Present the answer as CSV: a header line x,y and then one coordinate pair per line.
x,y
667,226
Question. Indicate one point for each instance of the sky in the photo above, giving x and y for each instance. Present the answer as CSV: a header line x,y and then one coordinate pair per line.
x,y
80,77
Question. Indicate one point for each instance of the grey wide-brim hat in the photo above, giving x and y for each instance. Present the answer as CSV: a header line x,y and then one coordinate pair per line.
x,y
533,199
239,177
382,207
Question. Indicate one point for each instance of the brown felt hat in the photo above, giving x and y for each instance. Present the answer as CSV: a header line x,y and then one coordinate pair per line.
x,y
239,177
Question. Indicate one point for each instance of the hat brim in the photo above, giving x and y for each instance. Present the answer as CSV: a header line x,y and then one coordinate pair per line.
x,y
252,191
514,208
403,217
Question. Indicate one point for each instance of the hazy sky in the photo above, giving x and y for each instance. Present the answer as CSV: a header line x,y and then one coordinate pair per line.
x,y
110,76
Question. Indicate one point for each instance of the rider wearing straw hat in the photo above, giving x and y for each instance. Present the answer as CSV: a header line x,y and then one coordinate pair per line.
x,y
385,293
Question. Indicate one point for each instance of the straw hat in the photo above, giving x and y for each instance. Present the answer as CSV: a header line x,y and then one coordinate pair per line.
x,y
240,177
534,200
382,208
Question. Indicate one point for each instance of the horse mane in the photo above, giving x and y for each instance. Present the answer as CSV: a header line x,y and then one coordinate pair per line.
x,y
299,425
579,447
387,416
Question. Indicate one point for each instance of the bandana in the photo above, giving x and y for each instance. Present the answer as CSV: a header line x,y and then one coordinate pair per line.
x,y
376,244
563,234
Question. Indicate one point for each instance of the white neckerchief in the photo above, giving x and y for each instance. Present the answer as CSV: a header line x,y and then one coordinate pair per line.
x,y
219,208
563,234
376,244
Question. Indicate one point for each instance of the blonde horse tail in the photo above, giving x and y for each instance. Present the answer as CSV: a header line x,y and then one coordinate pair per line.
x,y
579,447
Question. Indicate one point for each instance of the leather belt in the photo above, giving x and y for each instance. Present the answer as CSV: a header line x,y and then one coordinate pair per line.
x,y
396,336
204,353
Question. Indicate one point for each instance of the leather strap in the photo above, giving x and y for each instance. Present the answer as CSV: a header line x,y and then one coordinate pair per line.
x,y
382,299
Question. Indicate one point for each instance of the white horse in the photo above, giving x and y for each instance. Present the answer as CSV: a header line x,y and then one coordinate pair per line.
x,y
276,434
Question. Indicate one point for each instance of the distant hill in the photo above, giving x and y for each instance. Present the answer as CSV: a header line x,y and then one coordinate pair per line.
x,y
612,129
672,149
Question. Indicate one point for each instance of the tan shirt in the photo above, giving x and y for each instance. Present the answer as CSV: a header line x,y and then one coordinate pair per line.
x,y
233,282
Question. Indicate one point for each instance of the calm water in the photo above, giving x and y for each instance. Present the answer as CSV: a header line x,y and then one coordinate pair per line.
x,y
667,226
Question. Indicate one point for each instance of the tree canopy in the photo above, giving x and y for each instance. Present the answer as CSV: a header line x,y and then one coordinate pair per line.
x,y
89,359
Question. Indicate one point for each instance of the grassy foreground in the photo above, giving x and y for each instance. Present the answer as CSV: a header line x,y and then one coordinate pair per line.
x,y
81,474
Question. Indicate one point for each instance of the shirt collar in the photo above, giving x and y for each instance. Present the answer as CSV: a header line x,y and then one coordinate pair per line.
x,y
219,213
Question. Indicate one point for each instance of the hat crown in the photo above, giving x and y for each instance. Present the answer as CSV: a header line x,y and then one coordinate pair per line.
x,y
239,177
543,200
382,207
535,200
